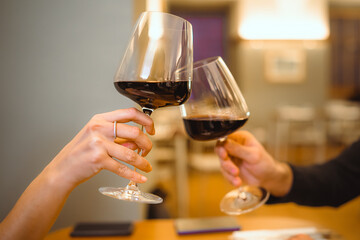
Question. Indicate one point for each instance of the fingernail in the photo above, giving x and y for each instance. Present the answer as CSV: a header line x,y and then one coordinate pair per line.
x,y
143,178
126,145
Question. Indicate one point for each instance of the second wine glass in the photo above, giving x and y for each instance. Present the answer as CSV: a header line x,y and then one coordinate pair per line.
x,y
217,108
155,72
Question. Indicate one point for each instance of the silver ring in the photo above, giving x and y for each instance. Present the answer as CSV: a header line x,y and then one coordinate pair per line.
x,y
115,133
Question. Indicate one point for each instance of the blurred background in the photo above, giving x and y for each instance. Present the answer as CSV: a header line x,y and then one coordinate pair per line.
x,y
297,64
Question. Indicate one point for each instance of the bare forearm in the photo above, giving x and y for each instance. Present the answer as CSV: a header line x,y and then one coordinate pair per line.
x,y
36,210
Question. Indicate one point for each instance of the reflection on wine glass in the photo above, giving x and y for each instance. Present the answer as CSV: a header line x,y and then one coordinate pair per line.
x,y
155,72
215,109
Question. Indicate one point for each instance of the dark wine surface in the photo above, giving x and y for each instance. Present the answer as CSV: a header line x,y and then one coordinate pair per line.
x,y
205,128
155,94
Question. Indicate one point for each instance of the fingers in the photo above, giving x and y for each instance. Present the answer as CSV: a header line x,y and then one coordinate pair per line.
x,y
129,156
220,151
126,143
102,123
123,171
233,179
240,151
121,141
131,114
94,148
226,162
135,135
228,167
239,137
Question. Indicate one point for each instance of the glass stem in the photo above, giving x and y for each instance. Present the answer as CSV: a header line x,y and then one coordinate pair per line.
x,y
133,185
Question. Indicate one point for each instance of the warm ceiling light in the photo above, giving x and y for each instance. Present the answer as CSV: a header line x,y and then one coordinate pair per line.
x,y
284,19
154,5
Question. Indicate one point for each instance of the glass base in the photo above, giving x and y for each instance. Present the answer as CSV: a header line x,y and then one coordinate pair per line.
x,y
243,200
131,195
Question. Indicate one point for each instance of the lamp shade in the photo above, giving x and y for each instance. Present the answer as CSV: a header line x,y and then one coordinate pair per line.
x,y
284,19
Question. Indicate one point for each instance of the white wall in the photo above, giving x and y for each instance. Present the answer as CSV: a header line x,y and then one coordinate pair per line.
x,y
57,63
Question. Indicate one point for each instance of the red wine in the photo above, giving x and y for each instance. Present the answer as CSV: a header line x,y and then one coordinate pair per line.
x,y
211,127
155,94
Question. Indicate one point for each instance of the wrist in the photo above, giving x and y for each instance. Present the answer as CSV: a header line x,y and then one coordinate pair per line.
x,y
281,180
54,180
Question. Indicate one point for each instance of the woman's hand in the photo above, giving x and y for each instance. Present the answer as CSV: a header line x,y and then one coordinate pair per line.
x,y
94,148
91,150
243,158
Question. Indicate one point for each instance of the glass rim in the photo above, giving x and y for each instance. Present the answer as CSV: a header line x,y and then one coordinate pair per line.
x,y
165,13
206,61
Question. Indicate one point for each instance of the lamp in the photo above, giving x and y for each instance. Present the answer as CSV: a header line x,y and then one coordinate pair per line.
x,y
284,20
155,5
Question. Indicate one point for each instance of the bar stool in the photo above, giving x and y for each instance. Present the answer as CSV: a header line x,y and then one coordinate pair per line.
x,y
298,126
343,121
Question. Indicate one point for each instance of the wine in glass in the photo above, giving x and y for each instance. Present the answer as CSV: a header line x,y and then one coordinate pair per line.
x,y
155,72
215,109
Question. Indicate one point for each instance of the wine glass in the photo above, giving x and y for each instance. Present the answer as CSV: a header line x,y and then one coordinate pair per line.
x,y
155,72
215,109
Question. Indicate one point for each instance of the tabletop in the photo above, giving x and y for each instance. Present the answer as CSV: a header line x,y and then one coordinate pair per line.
x,y
164,229
344,221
